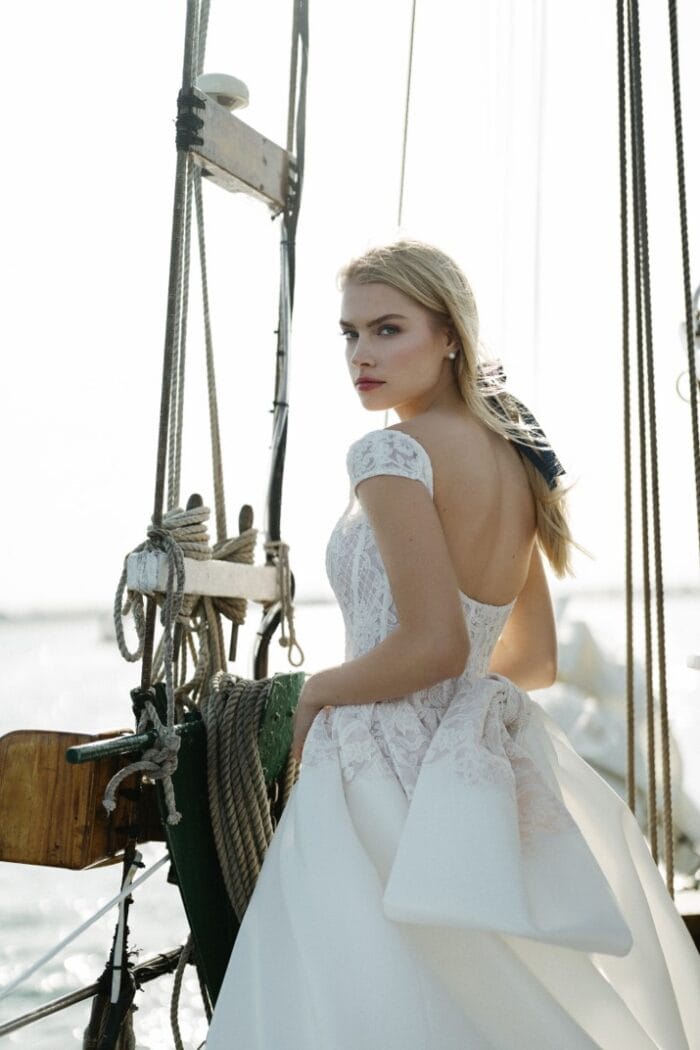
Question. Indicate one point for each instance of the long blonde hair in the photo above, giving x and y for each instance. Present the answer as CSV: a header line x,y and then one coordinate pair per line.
x,y
434,281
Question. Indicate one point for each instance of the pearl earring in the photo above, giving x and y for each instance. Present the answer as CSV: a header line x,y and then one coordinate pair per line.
x,y
452,354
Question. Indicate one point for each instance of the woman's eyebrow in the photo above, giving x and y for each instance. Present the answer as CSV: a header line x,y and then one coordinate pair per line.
x,y
377,320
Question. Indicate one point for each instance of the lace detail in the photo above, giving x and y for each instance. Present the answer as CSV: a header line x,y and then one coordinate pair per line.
x,y
479,742
473,723
389,452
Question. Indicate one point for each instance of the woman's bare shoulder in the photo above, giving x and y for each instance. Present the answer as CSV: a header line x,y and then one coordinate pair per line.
x,y
453,442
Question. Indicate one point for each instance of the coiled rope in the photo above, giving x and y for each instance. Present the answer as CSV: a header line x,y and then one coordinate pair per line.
x,y
239,802
182,534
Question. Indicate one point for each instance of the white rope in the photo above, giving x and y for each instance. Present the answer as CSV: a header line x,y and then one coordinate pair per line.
x,y
280,551
183,534
76,933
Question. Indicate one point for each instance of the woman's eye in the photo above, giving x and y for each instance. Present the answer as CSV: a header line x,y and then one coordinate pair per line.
x,y
388,329
348,334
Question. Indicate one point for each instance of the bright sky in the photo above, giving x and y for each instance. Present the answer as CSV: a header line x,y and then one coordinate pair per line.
x,y
87,196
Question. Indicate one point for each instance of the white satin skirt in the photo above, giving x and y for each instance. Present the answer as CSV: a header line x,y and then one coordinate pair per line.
x,y
436,923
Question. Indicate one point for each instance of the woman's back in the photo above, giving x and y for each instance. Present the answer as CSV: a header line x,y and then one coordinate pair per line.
x,y
484,501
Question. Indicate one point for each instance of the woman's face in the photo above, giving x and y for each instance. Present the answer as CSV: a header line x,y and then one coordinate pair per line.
x,y
395,345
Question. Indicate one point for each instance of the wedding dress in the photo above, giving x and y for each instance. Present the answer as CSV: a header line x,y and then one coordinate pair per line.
x,y
448,874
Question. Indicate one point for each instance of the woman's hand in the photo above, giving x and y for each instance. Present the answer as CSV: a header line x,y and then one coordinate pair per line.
x,y
308,707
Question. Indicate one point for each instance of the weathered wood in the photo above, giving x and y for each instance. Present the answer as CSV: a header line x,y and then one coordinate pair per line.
x,y
238,158
51,812
147,572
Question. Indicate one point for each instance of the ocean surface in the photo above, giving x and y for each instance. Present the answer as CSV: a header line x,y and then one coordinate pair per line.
x,y
65,673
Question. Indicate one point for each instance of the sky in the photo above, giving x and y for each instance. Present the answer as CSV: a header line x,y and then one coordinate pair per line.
x,y
511,167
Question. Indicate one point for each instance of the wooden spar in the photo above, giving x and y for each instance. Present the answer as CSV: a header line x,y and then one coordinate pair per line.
x,y
147,572
238,158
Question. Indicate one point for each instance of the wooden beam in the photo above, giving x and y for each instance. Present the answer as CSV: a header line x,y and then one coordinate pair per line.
x,y
147,572
238,158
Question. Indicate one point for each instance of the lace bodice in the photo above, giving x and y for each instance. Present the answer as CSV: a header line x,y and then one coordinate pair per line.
x,y
354,565
471,726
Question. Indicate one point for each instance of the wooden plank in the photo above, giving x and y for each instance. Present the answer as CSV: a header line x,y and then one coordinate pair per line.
x,y
238,158
147,572
51,812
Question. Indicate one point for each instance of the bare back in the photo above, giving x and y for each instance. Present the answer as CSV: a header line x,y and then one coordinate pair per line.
x,y
484,502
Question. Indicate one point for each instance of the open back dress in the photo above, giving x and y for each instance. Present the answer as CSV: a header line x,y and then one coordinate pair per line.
x,y
448,874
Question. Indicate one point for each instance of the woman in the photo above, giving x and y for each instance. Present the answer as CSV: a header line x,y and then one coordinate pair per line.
x,y
447,873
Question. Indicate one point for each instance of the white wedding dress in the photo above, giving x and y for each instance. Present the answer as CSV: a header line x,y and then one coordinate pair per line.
x,y
448,874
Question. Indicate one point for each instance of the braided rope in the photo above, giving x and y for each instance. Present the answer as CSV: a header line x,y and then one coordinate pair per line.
x,y
238,798
649,464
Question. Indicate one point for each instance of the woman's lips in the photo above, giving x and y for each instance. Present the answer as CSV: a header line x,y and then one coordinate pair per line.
x,y
369,384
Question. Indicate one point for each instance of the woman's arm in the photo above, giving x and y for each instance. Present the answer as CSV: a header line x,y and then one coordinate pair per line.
x,y
527,650
431,642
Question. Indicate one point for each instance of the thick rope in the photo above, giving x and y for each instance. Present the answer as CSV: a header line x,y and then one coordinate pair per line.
x,y
238,798
182,533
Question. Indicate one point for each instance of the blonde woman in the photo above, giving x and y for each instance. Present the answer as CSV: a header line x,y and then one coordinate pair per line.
x,y
448,874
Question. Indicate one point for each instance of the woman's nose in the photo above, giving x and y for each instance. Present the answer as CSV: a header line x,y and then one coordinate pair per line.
x,y
361,354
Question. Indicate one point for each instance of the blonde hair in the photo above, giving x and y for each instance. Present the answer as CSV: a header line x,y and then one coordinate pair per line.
x,y
434,281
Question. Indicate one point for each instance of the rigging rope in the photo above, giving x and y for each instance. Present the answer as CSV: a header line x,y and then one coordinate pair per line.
x,y
683,209
214,429
627,410
649,471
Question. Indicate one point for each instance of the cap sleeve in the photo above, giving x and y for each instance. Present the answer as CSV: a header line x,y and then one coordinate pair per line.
x,y
389,452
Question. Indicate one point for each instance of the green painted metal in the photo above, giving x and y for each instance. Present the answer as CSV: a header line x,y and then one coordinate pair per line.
x,y
195,862
275,736
128,744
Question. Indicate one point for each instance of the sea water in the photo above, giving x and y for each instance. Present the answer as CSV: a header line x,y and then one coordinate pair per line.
x,y
65,673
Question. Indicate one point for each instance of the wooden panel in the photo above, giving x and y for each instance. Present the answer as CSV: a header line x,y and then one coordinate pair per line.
x,y
238,158
51,812
147,571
